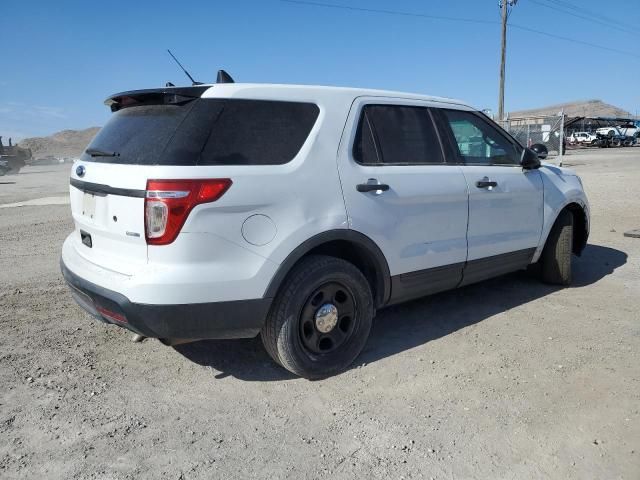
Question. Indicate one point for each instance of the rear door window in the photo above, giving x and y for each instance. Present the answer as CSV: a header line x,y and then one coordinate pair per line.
x,y
206,132
397,135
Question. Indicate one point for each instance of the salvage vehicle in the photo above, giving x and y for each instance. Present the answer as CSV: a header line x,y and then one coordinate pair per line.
x,y
582,137
608,131
614,138
12,158
627,130
297,212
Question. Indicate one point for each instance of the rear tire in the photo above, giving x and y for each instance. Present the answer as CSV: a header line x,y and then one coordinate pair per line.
x,y
556,256
294,334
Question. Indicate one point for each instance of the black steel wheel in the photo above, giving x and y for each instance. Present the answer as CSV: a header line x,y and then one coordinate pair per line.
x,y
328,318
320,319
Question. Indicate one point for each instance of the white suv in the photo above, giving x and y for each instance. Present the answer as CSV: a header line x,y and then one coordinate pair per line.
x,y
582,137
296,212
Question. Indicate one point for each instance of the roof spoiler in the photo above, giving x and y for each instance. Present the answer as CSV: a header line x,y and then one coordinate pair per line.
x,y
164,96
154,96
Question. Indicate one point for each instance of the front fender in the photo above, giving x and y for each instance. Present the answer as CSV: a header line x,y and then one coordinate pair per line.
x,y
561,190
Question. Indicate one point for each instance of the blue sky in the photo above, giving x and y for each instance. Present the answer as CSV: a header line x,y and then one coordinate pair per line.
x,y
60,59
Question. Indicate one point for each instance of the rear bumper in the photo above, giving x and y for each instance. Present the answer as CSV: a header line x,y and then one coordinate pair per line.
x,y
230,319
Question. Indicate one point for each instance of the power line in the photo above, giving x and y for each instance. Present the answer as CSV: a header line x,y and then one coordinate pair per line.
x,y
579,8
390,12
581,42
457,19
558,7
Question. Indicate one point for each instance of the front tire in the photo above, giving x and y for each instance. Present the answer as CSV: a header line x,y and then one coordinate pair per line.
x,y
556,256
320,319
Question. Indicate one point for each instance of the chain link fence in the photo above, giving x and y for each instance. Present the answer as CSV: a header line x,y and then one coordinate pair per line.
x,y
549,131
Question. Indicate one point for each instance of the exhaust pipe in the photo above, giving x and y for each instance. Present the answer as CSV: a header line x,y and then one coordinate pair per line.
x,y
170,342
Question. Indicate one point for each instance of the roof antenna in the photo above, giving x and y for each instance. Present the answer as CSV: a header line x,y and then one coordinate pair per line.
x,y
193,82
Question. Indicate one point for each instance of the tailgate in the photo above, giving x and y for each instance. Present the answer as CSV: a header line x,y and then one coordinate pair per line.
x,y
107,204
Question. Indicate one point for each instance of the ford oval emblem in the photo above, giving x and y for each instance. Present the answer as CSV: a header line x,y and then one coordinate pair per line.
x,y
80,170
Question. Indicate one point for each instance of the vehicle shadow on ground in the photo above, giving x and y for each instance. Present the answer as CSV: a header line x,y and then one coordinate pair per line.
x,y
245,359
403,327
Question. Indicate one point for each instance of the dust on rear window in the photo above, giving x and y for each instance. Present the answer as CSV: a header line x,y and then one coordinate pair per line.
x,y
207,132
139,134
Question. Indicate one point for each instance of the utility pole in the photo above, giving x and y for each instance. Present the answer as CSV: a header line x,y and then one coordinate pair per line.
x,y
504,6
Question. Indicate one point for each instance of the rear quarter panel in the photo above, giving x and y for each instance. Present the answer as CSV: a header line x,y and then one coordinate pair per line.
x,y
291,202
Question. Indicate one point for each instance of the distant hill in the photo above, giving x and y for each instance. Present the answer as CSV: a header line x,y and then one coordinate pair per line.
x,y
586,108
67,143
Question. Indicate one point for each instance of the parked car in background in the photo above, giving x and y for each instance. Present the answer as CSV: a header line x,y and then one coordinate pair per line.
x,y
581,138
629,130
622,135
609,131
619,130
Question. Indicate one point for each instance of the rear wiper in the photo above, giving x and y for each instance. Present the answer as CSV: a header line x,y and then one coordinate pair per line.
x,y
94,152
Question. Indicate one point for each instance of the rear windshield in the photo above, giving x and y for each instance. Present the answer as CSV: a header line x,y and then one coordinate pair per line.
x,y
206,132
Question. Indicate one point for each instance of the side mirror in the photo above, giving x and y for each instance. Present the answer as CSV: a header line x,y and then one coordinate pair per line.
x,y
541,150
530,160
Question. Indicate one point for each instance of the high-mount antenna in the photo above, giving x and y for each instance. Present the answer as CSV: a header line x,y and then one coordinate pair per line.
x,y
193,82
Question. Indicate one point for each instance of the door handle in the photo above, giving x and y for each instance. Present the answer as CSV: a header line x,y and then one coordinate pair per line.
x,y
486,183
372,187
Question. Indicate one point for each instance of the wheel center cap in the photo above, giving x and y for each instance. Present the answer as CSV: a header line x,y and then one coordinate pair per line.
x,y
326,317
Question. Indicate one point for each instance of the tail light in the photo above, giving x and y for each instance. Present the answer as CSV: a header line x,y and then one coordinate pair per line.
x,y
168,203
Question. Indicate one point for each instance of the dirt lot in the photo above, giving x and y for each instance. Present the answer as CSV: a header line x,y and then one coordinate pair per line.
x,y
505,379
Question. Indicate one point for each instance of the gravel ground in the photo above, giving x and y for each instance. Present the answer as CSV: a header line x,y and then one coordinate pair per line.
x,y
505,379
